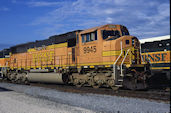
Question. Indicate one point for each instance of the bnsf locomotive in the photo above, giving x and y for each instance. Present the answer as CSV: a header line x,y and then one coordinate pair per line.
x,y
156,51
101,56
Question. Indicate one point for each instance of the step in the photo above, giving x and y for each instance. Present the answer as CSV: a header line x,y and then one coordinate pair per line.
x,y
120,80
119,85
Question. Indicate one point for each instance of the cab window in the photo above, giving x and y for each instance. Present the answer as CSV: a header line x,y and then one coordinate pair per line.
x,y
127,42
124,31
133,41
108,33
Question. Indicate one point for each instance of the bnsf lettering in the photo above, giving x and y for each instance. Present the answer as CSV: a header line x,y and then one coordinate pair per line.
x,y
90,49
155,57
38,57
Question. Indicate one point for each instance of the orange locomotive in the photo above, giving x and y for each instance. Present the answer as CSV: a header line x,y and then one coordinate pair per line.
x,y
102,56
4,60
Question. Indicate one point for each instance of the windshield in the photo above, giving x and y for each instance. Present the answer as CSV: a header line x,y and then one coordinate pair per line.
x,y
107,33
124,31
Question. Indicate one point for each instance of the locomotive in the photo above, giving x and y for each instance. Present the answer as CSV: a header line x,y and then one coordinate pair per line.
x,y
157,51
103,56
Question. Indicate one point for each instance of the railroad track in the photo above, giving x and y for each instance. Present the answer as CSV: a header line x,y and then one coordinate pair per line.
x,y
157,95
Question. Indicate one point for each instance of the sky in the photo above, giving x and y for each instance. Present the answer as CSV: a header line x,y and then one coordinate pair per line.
x,y
24,21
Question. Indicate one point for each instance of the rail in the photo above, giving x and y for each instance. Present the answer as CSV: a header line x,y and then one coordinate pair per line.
x,y
140,53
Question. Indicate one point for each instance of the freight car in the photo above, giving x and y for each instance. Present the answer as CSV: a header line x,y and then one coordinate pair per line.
x,y
156,51
101,56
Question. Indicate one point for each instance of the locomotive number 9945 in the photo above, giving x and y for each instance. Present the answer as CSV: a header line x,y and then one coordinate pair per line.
x,y
89,49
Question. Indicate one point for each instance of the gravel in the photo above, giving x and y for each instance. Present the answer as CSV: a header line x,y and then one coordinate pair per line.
x,y
92,102
13,102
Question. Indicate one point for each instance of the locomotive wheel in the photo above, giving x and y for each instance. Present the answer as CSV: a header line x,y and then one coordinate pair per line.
x,y
23,78
96,86
115,88
79,85
13,81
26,82
18,81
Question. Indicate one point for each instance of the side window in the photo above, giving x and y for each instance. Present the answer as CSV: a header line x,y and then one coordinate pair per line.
x,y
92,37
127,42
83,39
89,37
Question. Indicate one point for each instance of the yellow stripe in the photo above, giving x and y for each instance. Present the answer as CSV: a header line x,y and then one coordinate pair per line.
x,y
3,58
107,65
155,52
111,53
160,67
157,62
4,66
114,52
52,67
51,47
63,67
61,45
98,63
31,50
91,66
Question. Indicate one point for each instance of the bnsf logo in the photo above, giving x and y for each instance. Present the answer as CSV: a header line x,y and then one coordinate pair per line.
x,y
89,49
155,57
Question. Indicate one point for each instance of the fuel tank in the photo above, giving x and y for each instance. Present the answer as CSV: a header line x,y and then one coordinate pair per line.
x,y
45,77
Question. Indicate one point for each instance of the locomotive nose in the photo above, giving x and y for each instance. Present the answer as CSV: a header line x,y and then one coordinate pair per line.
x,y
135,42
136,51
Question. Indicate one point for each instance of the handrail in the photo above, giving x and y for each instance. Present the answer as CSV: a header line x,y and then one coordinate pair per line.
x,y
123,61
140,53
114,65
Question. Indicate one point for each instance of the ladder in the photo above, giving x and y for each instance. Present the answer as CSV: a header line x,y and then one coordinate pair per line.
x,y
119,77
